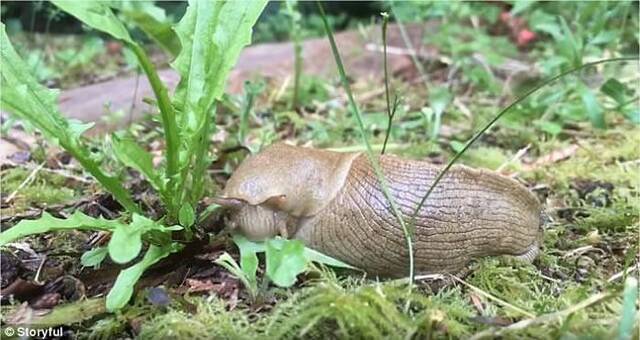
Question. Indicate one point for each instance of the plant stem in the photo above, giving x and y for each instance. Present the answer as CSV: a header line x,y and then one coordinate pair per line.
x,y
370,154
168,118
201,160
385,21
297,49
409,45
112,184
500,114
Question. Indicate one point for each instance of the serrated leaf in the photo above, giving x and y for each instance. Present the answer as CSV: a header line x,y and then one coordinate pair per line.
x,y
96,14
285,262
310,254
24,97
21,95
94,257
186,215
132,155
212,34
47,223
122,289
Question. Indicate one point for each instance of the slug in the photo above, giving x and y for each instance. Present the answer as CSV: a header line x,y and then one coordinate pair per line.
x,y
334,203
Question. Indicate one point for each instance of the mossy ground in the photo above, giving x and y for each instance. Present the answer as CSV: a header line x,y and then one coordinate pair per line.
x,y
591,196
592,237
590,192
31,188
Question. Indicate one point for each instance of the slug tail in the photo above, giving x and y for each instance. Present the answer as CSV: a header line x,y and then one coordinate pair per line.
x,y
530,254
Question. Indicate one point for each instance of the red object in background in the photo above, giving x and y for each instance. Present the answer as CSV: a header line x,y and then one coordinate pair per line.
x,y
114,47
525,37
518,29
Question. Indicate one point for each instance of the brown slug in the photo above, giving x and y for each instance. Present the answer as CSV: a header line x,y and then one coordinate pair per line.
x,y
334,203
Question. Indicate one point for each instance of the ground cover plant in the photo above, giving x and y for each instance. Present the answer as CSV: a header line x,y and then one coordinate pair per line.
x,y
574,142
179,183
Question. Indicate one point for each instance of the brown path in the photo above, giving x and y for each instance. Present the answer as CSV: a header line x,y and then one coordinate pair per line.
x,y
273,61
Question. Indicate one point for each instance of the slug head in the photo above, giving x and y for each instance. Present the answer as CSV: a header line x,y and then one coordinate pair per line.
x,y
256,222
270,191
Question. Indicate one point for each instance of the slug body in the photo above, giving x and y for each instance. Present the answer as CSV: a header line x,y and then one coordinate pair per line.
x,y
334,203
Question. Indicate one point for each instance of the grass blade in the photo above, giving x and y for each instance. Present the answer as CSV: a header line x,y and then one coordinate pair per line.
x,y
372,157
390,112
501,113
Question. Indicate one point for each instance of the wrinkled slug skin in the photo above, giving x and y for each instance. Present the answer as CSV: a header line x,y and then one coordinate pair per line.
x,y
333,202
470,214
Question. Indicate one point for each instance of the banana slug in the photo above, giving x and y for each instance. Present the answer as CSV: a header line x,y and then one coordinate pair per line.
x,y
334,203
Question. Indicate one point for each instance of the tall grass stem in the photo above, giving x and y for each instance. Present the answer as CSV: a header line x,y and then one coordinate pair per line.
x,y
500,114
372,157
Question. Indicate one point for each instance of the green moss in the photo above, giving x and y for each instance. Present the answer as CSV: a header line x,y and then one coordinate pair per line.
x,y
46,188
620,217
485,157
611,158
211,320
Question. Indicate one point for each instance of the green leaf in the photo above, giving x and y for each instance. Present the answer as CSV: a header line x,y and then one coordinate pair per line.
x,y
153,21
630,298
571,46
225,260
591,105
22,96
126,240
99,15
615,89
248,257
318,257
94,257
132,155
212,34
186,215
47,223
122,289
551,128
96,14
456,146
311,255
125,244
285,262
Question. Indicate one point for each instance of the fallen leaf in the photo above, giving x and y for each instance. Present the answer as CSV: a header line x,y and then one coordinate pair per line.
x,y
553,157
